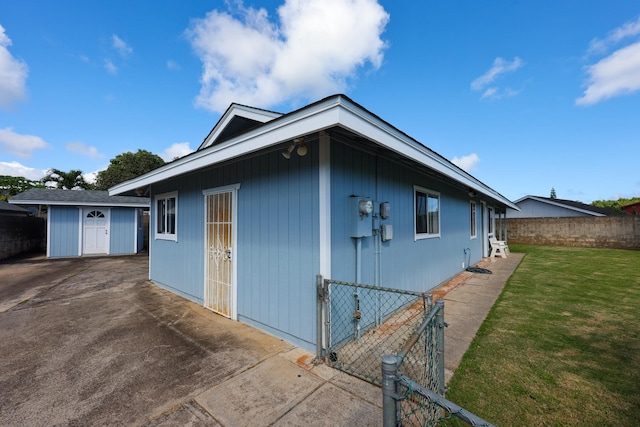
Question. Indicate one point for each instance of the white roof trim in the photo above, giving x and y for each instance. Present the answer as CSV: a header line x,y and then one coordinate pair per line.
x,y
79,203
333,111
560,205
237,110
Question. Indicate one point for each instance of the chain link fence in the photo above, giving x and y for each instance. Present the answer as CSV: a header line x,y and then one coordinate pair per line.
x,y
366,322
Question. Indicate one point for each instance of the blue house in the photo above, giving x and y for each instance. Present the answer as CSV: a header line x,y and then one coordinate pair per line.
x,y
85,222
268,201
547,207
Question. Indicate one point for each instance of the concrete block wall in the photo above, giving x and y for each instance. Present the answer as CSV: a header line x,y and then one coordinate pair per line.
x,y
597,232
21,234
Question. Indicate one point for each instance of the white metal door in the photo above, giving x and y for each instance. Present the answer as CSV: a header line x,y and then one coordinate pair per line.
x,y
95,231
219,290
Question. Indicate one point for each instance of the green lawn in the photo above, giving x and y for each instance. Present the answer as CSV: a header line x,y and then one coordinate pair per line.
x,y
561,346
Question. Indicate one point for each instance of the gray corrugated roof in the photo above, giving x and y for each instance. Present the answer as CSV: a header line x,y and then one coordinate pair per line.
x,y
50,196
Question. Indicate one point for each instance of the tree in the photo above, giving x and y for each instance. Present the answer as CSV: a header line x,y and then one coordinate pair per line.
x,y
615,205
553,193
127,166
67,180
12,185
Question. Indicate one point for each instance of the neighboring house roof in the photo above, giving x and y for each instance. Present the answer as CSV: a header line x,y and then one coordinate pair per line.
x,y
632,208
9,209
55,197
571,205
337,111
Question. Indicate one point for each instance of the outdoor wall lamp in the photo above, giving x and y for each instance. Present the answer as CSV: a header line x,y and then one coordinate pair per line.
x,y
301,151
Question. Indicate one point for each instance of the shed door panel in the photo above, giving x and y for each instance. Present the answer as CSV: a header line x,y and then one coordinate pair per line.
x,y
95,231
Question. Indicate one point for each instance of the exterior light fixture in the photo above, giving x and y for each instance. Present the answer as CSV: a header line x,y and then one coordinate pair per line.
x,y
301,151
287,153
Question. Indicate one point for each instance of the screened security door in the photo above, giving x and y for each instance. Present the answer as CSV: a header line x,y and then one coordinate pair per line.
x,y
219,290
95,231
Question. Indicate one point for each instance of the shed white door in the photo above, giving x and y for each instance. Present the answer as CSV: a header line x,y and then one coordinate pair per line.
x,y
220,290
95,231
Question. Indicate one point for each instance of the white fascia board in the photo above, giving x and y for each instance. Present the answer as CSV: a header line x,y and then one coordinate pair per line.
x,y
90,204
363,123
334,111
562,205
236,110
319,117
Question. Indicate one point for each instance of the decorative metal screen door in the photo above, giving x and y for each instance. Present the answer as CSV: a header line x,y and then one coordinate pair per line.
x,y
219,253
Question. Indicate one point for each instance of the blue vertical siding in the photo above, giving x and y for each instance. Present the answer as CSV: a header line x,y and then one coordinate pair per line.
x,y
63,231
278,253
404,263
122,231
277,241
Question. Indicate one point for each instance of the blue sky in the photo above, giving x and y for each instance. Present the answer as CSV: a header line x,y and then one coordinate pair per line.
x,y
526,96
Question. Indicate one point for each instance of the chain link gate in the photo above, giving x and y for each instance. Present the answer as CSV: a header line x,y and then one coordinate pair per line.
x,y
363,323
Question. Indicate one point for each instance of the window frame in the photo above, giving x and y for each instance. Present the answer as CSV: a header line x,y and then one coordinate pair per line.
x,y
491,225
473,219
163,218
428,194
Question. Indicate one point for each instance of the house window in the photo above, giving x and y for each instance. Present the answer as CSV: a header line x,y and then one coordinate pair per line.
x,y
167,216
427,213
472,212
491,221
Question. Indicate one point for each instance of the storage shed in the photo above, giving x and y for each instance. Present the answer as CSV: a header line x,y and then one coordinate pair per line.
x,y
86,222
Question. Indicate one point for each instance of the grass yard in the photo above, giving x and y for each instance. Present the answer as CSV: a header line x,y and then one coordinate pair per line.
x,y
561,346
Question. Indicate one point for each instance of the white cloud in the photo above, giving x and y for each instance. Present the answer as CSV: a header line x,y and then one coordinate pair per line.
x,y
120,46
17,169
629,29
500,66
173,65
85,150
91,177
110,67
20,145
466,163
311,51
176,150
618,73
13,74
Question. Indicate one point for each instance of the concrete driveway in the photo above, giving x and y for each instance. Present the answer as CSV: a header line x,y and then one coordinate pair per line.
x,y
90,341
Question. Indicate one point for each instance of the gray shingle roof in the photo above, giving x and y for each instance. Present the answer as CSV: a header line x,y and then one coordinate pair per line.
x,y
8,207
50,196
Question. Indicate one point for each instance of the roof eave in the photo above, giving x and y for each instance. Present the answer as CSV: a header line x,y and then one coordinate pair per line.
x,y
78,203
337,110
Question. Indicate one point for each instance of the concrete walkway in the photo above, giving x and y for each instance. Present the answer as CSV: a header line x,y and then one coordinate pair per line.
x,y
288,389
91,341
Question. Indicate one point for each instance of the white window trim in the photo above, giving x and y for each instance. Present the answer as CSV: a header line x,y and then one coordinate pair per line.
x,y
165,236
421,236
491,223
474,229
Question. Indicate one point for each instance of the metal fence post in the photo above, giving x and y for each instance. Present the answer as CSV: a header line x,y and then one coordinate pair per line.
x,y
319,315
440,340
389,391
